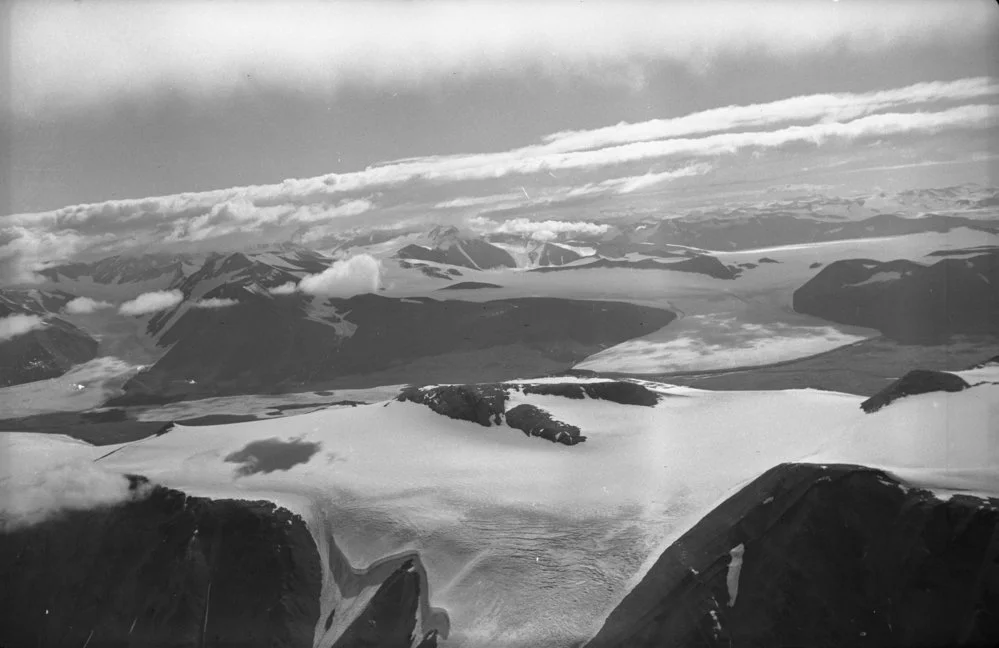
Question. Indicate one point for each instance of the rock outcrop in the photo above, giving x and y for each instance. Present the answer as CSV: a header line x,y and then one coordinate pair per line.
x,y
616,391
534,421
486,404
44,351
482,404
907,301
917,381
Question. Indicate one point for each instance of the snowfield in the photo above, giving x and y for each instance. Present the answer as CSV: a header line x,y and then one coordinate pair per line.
x,y
525,541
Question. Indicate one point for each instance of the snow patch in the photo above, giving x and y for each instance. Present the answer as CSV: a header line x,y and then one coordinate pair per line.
x,y
880,277
734,570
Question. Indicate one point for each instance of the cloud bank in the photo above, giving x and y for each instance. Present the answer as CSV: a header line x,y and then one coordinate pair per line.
x,y
346,278
151,302
539,230
562,168
215,302
15,325
34,497
85,305
66,56
284,289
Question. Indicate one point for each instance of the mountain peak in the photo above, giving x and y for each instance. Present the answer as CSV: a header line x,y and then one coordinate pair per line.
x,y
444,234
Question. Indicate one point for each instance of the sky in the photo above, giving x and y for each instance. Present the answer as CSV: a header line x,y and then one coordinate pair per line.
x,y
207,125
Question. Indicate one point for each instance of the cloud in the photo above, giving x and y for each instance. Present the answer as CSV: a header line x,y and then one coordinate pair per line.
x,y
312,209
480,201
27,249
36,496
67,56
151,302
215,302
540,230
838,107
648,180
15,325
85,305
507,205
284,289
346,278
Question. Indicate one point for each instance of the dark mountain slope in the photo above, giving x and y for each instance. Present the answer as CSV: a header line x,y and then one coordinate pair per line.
x,y
907,301
123,269
167,570
266,343
451,247
917,381
42,353
811,555
549,254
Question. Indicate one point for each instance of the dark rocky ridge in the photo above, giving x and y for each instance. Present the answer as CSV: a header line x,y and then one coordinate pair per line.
x,y
452,248
706,265
178,571
470,285
482,404
913,303
220,350
45,352
122,269
485,404
616,391
167,570
832,556
549,254
917,381
534,421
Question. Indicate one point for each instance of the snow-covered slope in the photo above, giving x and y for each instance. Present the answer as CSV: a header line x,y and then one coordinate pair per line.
x,y
527,542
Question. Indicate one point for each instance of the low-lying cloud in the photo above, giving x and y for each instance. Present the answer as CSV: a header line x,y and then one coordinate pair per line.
x,y
34,497
284,289
85,305
345,278
151,302
18,324
215,302
540,230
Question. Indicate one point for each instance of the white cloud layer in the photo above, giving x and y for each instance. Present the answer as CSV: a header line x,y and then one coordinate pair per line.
x,y
15,325
70,55
85,305
33,497
151,302
346,278
284,289
539,230
309,209
215,302
838,107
